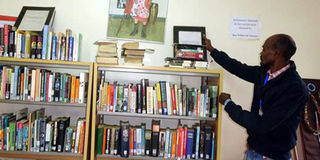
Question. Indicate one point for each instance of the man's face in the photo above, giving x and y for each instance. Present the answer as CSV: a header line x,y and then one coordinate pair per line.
x,y
267,55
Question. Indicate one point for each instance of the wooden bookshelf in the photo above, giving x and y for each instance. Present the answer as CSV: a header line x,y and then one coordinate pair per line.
x,y
51,64
215,78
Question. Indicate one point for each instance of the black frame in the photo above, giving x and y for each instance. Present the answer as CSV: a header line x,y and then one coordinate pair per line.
x,y
177,29
25,8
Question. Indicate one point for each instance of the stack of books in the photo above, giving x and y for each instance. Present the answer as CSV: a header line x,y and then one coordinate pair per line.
x,y
132,54
107,52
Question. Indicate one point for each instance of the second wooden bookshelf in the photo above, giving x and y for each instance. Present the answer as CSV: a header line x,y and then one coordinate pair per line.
x,y
119,75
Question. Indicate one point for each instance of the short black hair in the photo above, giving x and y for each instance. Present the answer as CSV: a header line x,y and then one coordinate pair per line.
x,y
286,45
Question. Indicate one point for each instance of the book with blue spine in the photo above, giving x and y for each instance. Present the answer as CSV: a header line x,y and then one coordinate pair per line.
x,y
143,128
25,137
44,41
124,139
54,48
170,144
23,41
197,142
125,99
212,147
115,98
163,97
16,70
207,142
189,147
70,52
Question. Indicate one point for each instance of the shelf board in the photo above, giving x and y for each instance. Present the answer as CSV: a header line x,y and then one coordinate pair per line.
x,y
44,103
160,70
41,155
136,115
118,157
44,63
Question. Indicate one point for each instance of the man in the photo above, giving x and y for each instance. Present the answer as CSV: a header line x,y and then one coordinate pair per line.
x,y
279,98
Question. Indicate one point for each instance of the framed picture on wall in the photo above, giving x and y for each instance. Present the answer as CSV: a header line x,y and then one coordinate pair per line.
x,y
34,18
142,20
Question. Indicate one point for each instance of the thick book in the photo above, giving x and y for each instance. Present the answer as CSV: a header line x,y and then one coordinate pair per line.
x,y
207,142
139,98
213,94
33,46
43,123
124,144
189,147
148,142
144,85
39,47
99,139
163,97
150,98
162,142
159,101
62,125
155,138
120,97
45,41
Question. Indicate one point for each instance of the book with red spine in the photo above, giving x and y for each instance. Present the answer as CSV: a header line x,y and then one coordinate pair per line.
x,y
173,100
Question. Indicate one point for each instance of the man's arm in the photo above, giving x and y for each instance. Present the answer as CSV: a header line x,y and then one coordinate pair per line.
x,y
243,71
276,116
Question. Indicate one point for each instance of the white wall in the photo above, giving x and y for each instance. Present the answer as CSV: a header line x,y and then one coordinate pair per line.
x,y
301,19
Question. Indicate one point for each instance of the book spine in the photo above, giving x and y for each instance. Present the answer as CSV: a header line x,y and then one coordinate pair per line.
x,y
54,48
169,99
70,52
150,98
163,98
45,41
139,98
49,48
155,102
6,40
158,90
124,152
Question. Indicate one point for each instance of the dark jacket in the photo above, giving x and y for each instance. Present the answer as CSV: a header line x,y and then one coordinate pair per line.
x,y
283,99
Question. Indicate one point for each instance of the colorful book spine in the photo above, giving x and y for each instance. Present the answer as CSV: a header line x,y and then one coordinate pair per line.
x,y
45,41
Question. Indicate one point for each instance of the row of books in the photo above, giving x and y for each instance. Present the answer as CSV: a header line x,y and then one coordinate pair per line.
x,y
163,98
42,85
35,132
181,142
183,63
47,45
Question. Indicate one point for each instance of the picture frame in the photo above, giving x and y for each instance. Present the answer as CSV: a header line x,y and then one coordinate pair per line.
x,y
189,37
34,18
143,21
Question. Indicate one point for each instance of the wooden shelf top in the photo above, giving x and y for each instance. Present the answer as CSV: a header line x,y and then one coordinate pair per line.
x,y
44,63
41,155
160,70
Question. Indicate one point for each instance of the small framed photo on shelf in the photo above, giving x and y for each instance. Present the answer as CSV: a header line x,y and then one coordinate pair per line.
x,y
34,18
189,43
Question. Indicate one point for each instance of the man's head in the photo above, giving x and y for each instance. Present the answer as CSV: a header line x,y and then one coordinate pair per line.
x,y
277,48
